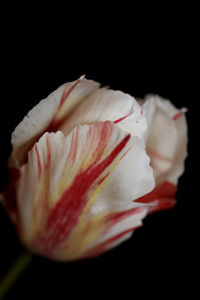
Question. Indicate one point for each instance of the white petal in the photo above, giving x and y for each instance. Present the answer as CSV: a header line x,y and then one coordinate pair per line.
x,y
132,179
166,138
114,106
98,168
54,108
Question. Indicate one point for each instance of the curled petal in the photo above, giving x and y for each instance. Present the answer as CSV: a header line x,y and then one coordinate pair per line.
x,y
47,116
115,106
166,138
72,190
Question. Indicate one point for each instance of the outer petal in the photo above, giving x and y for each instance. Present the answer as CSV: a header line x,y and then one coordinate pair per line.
x,y
58,192
166,144
48,115
166,138
115,106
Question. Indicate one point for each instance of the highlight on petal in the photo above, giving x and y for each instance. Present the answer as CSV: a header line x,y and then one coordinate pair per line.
x,y
48,115
166,138
75,191
104,104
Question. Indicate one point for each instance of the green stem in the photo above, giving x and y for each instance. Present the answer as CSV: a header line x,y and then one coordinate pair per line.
x,y
14,273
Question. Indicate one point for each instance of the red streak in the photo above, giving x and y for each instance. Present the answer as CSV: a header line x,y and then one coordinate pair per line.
x,y
65,95
119,216
163,204
103,247
55,124
38,161
75,144
64,216
121,119
104,139
176,116
164,194
103,178
48,159
141,112
112,220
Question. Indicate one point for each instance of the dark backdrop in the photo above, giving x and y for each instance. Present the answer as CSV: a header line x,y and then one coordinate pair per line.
x,y
137,59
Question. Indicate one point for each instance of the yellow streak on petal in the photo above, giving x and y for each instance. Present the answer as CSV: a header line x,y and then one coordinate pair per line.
x,y
72,169
68,176
88,230
67,107
39,211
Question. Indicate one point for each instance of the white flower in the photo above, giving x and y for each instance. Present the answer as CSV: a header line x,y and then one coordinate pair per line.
x,y
81,178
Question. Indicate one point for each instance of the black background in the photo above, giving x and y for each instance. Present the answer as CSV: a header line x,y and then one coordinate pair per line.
x,y
153,53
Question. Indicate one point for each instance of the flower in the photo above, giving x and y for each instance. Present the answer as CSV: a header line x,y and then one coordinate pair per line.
x,y
88,164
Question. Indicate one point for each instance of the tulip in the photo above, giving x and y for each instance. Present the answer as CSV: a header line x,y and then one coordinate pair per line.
x,y
88,164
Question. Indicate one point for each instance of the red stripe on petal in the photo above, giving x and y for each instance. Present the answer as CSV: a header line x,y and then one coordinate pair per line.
x,y
110,158
64,216
163,196
102,248
55,124
112,220
65,95
166,189
177,116
48,156
119,216
163,204
38,161
75,144
103,178
121,119
103,139
141,111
